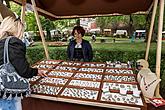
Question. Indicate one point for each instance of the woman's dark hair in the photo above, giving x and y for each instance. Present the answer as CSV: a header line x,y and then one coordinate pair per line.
x,y
79,29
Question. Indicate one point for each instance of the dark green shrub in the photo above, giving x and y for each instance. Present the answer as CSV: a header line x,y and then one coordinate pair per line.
x,y
37,38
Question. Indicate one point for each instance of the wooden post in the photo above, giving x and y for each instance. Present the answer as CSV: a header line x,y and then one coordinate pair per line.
x,y
151,28
159,44
23,12
40,28
46,12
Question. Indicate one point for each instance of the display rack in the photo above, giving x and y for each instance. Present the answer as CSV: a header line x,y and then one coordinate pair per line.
x,y
88,83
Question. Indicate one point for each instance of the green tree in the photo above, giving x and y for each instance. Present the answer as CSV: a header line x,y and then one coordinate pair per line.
x,y
102,22
64,23
47,25
31,24
121,22
15,8
139,21
113,22
118,22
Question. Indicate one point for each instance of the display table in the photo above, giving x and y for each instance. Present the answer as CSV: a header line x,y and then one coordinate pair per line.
x,y
84,85
41,104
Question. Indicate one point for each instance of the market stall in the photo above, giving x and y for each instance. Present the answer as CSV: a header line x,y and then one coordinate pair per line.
x,y
64,90
106,85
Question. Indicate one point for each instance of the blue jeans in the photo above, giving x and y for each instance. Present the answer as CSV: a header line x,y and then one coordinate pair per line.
x,y
7,104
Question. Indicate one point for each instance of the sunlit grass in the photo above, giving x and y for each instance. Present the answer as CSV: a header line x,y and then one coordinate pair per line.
x,y
120,44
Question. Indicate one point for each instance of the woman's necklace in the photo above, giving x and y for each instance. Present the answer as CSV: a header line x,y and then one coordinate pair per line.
x,y
149,84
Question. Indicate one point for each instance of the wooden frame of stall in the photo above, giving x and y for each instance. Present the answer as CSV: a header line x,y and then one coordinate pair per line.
x,y
98,102
159,40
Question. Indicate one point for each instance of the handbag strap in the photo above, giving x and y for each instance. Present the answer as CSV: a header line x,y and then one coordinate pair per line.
x,y
6,50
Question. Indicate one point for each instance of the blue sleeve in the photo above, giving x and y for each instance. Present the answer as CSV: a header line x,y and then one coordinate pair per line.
x,y
90,52
68,52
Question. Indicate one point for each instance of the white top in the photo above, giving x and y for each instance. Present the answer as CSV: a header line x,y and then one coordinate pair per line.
x,y
78,45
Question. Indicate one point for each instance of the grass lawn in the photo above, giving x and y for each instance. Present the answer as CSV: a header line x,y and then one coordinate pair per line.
x,y
120,44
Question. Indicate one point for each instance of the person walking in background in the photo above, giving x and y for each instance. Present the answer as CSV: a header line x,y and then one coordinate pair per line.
x,y
79,49
27,39
17,52
71,38
133,37
93,37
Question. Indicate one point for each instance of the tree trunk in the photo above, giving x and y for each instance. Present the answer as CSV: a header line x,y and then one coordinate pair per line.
x,y
154,33
131,27
48,34
78,22
147,27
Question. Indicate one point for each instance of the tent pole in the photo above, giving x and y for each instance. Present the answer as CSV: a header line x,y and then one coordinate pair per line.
x,y
40,28
151,28
159,44
46,12
23,12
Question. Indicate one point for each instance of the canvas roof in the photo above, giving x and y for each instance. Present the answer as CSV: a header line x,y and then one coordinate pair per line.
x,y
79,8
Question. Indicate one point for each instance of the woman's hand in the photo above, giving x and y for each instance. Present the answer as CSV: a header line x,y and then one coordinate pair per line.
x,y
42,73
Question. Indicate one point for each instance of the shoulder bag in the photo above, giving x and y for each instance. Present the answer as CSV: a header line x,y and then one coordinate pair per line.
x,y
10,81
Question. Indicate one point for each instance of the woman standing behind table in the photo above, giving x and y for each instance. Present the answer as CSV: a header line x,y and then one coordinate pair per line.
x,y
79,49
17,52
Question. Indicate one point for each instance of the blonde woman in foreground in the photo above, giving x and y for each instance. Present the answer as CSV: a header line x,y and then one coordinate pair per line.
x,y
17,52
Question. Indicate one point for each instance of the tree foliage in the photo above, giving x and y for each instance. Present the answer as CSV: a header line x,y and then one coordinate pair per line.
x,y
15,8
139,21
113,22
31,24
47,24
117,22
